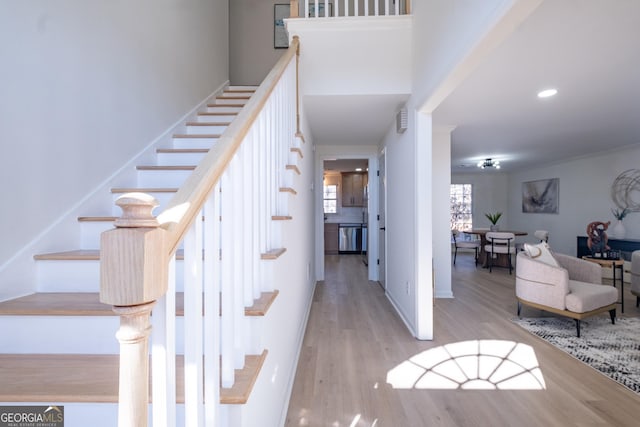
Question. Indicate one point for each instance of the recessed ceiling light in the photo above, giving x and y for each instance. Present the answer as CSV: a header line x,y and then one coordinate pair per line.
x,y
547,93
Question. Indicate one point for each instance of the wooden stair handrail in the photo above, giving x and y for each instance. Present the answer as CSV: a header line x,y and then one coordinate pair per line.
x,y
186,205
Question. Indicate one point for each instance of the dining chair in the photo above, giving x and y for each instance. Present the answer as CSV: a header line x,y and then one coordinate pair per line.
x,y
464,244
543,235
500,243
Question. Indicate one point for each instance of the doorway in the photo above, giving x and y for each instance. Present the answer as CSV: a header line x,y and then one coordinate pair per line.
x,y
382,229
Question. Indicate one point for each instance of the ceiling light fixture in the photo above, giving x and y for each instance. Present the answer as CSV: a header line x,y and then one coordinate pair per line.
x,y
489,163
547,93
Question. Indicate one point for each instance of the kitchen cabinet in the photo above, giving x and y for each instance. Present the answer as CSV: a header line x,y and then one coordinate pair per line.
x,y
331,239
353,189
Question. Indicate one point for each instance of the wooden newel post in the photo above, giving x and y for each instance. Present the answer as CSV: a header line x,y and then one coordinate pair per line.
x,y
133,275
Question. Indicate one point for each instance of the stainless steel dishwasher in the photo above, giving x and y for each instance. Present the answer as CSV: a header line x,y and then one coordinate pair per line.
x,y
350,238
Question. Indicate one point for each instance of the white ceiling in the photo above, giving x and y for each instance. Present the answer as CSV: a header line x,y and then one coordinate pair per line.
x,y
590,51
351,119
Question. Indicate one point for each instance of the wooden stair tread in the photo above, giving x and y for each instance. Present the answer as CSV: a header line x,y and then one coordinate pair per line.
x,y
88,304
208,124
273,253
187,136
90,378
143,190
293,168
207,113
164,168
182,150
298,151
57,304
288,190
212,105
233,97
281,217
261,306
97,218
244,380
74,255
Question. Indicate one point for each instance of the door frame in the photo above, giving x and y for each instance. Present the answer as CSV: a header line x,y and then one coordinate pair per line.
x,y
334,152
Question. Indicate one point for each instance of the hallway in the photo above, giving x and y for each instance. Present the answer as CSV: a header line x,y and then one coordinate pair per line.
x,y
354,338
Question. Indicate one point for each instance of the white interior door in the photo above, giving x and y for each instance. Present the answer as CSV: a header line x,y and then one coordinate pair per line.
x,y
382,197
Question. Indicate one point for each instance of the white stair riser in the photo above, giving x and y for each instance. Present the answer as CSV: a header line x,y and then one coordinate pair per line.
x,y
194,142
175,159
206,130
59,334
224,109
162,178
90,233
162,198
78,276
228,101
216,119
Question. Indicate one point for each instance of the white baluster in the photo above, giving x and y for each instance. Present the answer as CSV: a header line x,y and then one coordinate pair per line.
x,y
226,265
386,7
163,350
356,8
193,369
376,7
212,307
337,4
397,11
238,268
247,213
346,8
366,8
306,9
326,10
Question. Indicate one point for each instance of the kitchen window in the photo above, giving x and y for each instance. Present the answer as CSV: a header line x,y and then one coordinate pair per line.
x,y
461,206
331,198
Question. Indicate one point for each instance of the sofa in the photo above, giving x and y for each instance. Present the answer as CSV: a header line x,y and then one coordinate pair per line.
x,y
563,285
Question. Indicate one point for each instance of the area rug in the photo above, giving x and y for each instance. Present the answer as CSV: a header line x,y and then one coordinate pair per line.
x,y
614,350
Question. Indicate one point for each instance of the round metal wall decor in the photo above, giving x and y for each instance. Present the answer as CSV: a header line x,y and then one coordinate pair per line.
x,y
625,191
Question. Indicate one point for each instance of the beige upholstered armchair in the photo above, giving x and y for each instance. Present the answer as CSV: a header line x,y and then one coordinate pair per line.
x,y
572,287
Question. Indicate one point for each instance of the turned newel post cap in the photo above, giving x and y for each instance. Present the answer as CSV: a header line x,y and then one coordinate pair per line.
x,y
137,210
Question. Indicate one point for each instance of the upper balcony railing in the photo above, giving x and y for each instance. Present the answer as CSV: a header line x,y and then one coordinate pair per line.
x,y
342,8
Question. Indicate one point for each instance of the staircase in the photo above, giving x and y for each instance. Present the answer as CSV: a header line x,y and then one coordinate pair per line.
x,y
58,344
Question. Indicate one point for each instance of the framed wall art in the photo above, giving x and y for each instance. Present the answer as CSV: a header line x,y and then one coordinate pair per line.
x,y
540,196
280,36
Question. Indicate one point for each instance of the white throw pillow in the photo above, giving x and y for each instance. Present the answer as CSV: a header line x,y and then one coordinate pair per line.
x,y
541,252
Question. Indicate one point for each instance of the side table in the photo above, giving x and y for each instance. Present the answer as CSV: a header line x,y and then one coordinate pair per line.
x,y
613,264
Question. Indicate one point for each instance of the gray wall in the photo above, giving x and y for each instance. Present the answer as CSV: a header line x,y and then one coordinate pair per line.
x,y
85,86
251,54
584,196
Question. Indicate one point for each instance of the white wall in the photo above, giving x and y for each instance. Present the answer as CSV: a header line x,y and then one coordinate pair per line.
x,y
584,196
86,86
286,321
490,194
251,51
444,33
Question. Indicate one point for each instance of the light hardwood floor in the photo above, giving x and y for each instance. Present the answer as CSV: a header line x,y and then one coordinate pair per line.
x,y
354,338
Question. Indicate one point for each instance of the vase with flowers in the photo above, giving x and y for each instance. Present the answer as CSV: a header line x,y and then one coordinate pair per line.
x,y
618,231
493,219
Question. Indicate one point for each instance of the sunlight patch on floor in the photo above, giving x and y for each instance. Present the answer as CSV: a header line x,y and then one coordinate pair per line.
x,y
471,365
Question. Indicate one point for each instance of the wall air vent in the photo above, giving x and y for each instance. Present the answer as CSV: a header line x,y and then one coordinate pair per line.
x,y
401,120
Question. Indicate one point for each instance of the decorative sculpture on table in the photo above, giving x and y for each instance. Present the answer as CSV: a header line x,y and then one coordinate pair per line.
x,y
597,237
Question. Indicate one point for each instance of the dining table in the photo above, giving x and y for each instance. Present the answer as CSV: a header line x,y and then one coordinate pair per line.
x,y
502,260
